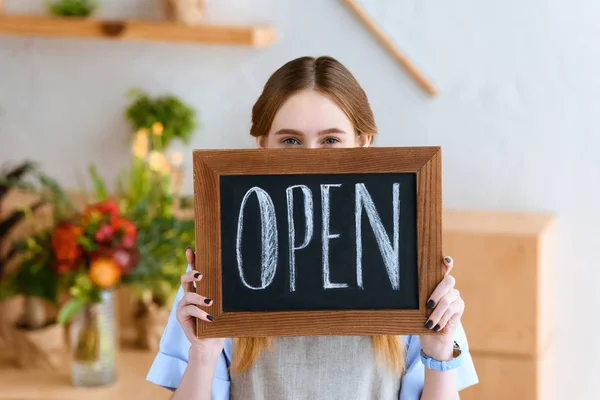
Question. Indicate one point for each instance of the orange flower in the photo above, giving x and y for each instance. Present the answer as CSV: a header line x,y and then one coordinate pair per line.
x,y
104,272
64,245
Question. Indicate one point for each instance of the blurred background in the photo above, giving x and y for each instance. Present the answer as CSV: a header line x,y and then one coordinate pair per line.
x,y
516,114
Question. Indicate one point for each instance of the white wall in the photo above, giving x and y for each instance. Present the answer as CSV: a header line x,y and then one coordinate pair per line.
x,y
517,113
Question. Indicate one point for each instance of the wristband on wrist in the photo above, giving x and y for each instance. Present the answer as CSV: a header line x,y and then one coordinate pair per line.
x,y
443,366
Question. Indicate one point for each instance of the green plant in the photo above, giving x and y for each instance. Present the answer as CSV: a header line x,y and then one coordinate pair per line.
x,y
147,200
33,278
72,8
25,177
166,116
162,260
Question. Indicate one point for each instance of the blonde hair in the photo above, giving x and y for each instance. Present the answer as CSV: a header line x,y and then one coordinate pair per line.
x,y
330,78
389,351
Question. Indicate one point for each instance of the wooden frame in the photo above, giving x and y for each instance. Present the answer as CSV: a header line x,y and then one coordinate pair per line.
x,y
209,165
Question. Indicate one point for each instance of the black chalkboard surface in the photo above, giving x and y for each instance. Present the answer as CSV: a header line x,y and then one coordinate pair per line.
x,y
297,242
290,242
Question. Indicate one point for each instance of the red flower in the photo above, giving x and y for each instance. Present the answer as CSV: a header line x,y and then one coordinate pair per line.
x,y
126,259
65,247
106,207
94,212
62,268
104,234
127,227
128,241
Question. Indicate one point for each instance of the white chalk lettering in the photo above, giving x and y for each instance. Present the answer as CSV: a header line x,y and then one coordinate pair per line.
x,y
389,252
268,238
308,231
326,236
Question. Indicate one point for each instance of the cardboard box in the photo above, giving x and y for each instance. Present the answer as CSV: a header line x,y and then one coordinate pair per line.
x,y
504,268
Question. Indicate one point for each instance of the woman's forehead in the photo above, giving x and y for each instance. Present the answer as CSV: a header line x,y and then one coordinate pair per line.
x,y
310,112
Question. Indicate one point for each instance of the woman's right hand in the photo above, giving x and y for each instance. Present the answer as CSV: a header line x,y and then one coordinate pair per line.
x,y
188,310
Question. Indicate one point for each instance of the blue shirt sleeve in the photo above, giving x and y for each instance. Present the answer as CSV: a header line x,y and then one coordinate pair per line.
x,y
414,378
172,358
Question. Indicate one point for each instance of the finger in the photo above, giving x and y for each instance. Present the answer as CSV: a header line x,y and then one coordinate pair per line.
x,y
188,279
441,308
194,299
453,312
191,256
185,316
190,310
445,286
449,264
188,325
455,319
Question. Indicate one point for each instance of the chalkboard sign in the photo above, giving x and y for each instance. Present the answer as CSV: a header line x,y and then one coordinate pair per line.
x,y
296,242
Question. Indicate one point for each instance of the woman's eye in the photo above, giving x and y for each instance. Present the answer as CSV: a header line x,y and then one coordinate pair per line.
x,y
291,141
331,140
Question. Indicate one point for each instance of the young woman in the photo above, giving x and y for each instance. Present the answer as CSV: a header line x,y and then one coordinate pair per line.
x,y
313,103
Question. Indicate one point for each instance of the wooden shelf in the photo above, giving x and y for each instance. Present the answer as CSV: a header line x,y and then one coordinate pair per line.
x,y
40,26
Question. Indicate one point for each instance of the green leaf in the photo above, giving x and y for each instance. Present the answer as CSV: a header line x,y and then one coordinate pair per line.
x,y
68,311
99,186
57,196
87,243
133,92
50,184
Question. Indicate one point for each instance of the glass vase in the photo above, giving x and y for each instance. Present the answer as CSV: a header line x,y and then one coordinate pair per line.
x,y
94,343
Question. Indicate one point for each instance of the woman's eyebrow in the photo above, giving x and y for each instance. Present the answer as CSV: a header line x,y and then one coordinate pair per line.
x,y
286,131
330,131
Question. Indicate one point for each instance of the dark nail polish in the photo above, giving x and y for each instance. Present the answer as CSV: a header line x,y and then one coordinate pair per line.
x,y
197,275
188,248
209,317
207,301
448,260
430,304
429,324
436,328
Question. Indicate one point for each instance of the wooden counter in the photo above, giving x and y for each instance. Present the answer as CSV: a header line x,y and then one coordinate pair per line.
x,y
131,382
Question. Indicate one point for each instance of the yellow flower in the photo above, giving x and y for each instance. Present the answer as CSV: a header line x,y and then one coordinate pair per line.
x,y
158,162
155,160
157,128
140,144
94,216
176,158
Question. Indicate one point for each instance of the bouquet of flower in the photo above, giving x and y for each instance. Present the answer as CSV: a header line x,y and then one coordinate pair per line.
x,y
93,252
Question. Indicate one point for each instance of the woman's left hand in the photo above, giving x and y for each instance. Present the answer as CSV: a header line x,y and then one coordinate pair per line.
x,y
448,308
